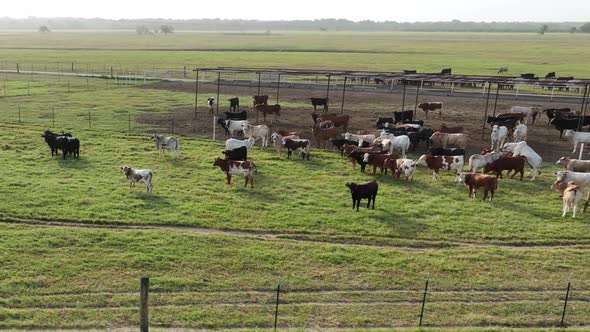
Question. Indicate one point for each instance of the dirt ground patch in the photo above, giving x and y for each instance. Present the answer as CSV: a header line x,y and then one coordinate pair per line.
x,y
364,108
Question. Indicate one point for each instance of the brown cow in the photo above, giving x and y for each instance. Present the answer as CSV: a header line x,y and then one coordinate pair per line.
x,y
443,140
450,130
269,109
436,163
431,106
324,135
515,164
338,120
348,149
377,160
231,167
475,181
285,133
260,100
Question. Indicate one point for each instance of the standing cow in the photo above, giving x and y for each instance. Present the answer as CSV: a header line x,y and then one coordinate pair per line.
x,y
168,143
366,190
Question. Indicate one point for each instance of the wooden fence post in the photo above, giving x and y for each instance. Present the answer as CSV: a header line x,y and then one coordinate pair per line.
x,y
144,323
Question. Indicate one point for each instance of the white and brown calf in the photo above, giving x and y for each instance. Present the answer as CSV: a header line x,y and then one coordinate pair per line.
x,y
168,143
236,167
138,175
406,167
436,163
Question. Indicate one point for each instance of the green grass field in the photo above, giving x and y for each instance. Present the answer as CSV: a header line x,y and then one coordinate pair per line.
x,y
74,240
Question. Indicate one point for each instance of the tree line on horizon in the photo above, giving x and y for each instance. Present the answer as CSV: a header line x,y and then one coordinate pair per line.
x,y
33,23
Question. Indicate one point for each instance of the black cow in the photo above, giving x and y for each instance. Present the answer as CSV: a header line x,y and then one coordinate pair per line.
x,y
240,153
446,152
315,102
403,116
509,123
558,113
550,75
366,190
234,104
69,145
570,123
409,72
382,121
221,122
51,140
243,115
446,71
423,134
528,76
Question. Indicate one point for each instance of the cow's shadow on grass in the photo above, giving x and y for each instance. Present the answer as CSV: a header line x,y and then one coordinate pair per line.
x,y
79,163
155,200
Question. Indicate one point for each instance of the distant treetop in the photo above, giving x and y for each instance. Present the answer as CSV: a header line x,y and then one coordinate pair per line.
x,y
44,29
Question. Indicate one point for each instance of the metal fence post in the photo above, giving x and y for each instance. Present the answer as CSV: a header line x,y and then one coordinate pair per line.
x,y
277,304
424,299
214,123
19,114
567,294
129,123
53,116
144,323
89,124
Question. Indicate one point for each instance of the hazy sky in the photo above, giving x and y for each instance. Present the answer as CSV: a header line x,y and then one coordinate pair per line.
x,y
378,10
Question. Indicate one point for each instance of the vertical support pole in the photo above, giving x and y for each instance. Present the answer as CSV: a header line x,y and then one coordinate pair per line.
x,y
258,91
343,94
416,101
17,68
72,67
517,90
328,88
111,71
196,91
89,124
496,99
144,323
28,88
69,87
485,117
583,108
278,87
214,123
404,95
277,304
19,122
129,123
218,101
581,150
184,72
552,91
424,300
172,125
567,294
53,117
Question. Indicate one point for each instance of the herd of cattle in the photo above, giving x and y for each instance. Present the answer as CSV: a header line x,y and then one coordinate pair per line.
x,y
386,148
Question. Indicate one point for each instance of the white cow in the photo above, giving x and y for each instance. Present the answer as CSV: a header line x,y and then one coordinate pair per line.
x,y
257,132
235,125
580,179
138,175
233,143
528,111
478,161
532,158
168,143
520,132
498,136
577,137
401,143
407,167
360,138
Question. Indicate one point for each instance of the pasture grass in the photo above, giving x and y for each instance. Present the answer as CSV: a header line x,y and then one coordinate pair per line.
x,y
466,53
72,277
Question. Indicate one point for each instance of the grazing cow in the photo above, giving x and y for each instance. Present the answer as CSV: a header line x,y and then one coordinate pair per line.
x,y
450,130
234,104
359,191
502,70
233,126
166,143
315,102
236,167
550,75
302,145
401,143
446,152
475,181
240,153
243,115
257,132
431,106
436,163
528,76
260,100
211,104
557,112
520,132
498,136
522,149
478,161
577,137
401,116
382,121
359,138
277,140
377,159
269,109
323,135
571,194
529,112
509,164
355,154
574,165
444,140
407,167
233,143
138,175
446,71
340,121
